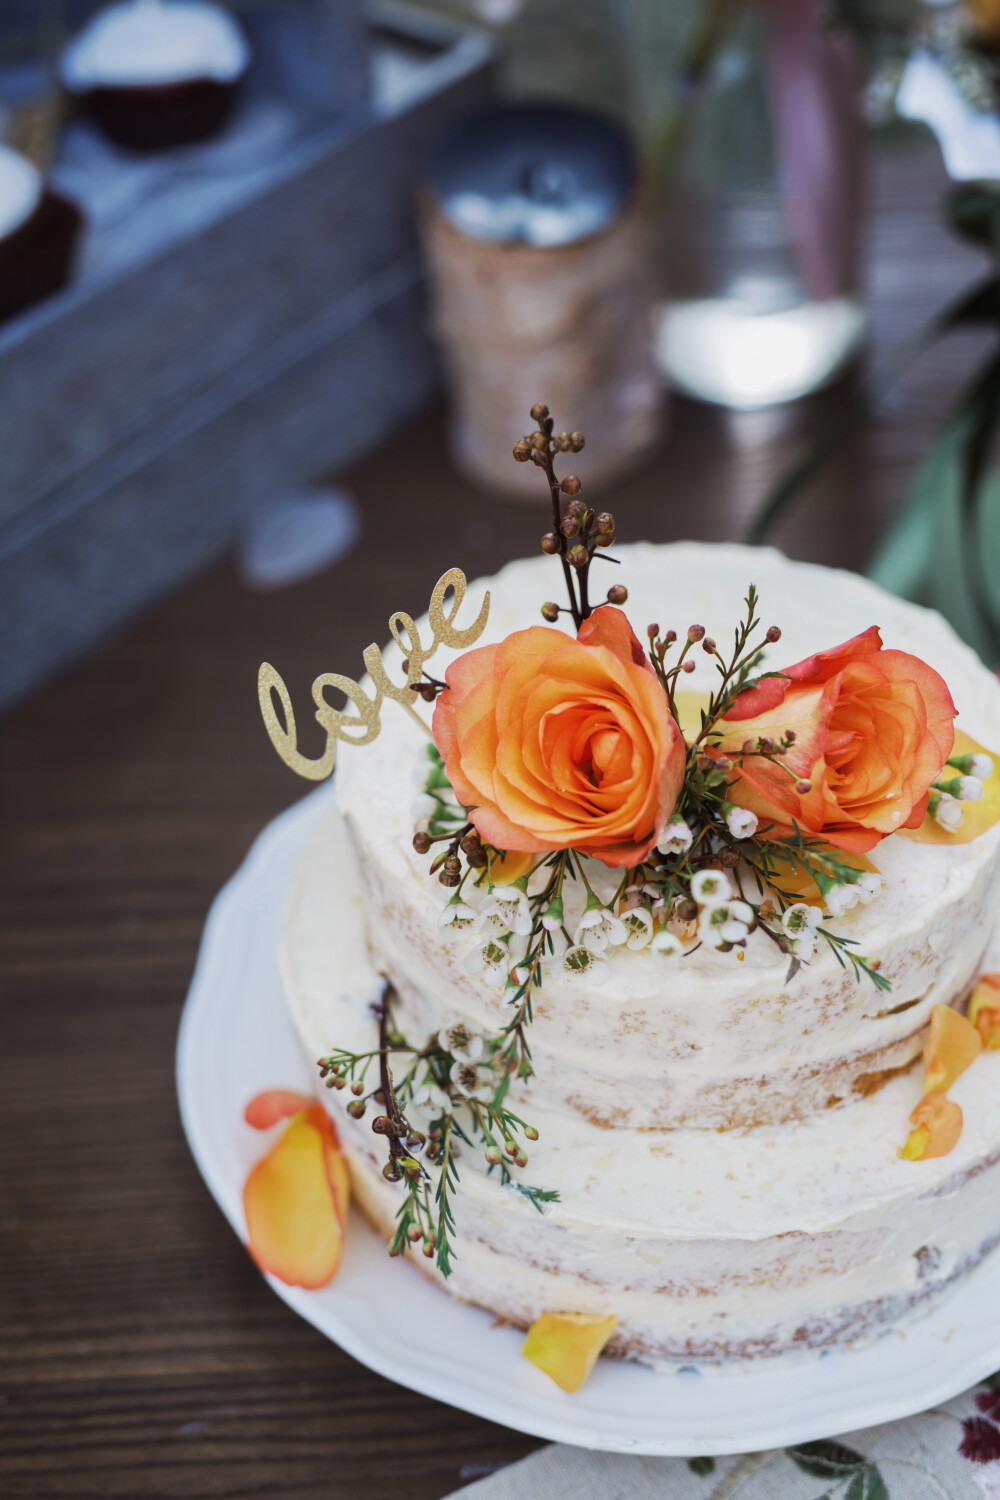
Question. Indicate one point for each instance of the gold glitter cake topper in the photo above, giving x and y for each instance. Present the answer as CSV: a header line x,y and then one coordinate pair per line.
x,y
343,726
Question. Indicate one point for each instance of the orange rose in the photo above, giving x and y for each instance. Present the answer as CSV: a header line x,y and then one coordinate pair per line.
x,y
562,744
873,729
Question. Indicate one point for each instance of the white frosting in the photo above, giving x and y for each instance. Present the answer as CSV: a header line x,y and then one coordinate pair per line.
x,y
149,42
696,1238
20,190
706,1243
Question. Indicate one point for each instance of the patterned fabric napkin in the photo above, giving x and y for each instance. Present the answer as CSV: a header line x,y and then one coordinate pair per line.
x,y
950,1453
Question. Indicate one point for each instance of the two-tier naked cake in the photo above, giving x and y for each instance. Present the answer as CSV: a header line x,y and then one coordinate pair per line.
x,y
697,1126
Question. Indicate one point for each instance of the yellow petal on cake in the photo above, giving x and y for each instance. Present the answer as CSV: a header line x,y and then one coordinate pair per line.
x,y
977,817
566,1345
510,866
984,1010
952,1045
937,1122
294,1226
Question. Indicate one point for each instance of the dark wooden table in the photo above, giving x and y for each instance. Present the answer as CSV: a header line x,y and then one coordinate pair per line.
x,y
142,1354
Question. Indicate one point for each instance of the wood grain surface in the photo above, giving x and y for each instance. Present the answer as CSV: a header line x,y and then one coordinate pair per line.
x,y
141,1354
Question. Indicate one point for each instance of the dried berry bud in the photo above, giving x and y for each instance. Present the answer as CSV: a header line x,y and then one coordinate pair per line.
x,y
531,1132
422,842
494,1155
394,1249
471,843
687,666
539,441
617,593
391,1172
338,1082
709,646
414,1233
449,878
773,634
571,484
378,1096
357,1088
428,1248
578,556
728,858
520,1156
411,1168
670,637
803,787
789,736
569,526
578,440
415,1138
705,762
766,744
538,412
382,1125
652,631
605,524
427,691
356,1109
576,508
522,451
550,611
748,746
687,910
696,632
551,543
564,443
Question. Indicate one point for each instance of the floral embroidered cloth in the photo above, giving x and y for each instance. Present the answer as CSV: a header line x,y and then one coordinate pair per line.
x,y
949,1453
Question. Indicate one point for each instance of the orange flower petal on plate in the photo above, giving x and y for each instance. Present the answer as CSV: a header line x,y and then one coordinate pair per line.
x,y
952,1045
266,1109
984,1010
566,1345
937,1123
294,1227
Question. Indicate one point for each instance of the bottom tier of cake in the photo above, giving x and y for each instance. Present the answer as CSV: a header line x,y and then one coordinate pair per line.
x,y
707,1245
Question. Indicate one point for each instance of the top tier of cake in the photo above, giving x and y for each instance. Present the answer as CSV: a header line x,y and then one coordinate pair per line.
x,y
712,1039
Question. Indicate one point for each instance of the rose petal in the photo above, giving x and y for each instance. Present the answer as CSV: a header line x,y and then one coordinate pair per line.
x,y
566,1345
984,1010
952,1045
294,1224
937,1123
266,1109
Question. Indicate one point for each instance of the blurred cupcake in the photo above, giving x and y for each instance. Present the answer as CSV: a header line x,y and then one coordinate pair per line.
x,y
157,73
38,235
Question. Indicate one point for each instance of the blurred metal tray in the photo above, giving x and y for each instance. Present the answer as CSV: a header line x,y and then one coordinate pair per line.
x,y
245,321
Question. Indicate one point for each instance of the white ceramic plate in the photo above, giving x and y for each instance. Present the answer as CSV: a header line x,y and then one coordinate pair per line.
x,y
236,1039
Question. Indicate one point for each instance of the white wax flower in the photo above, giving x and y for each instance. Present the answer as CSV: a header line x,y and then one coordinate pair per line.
x,y
599,929
491,960
582,966
472,1082
457,916
463,1041
711,887
742,823
970,788
430,1097
725,922
666,945
638,923
676,838
506,910
981,766
947,811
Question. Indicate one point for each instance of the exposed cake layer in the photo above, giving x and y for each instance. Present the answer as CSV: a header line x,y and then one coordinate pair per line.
x,y
706,1244
712,1040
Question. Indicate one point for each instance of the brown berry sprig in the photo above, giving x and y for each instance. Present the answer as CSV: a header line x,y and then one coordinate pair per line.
x,y
447,865
577,532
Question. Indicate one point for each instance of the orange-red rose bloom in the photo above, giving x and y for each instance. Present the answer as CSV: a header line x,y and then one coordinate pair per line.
x,y
873,728
562,744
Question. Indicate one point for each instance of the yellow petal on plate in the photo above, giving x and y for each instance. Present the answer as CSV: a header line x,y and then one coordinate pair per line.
x,y
566,1345
953,1043
977,816
937,1123
984,1010
266,1109
293,1225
